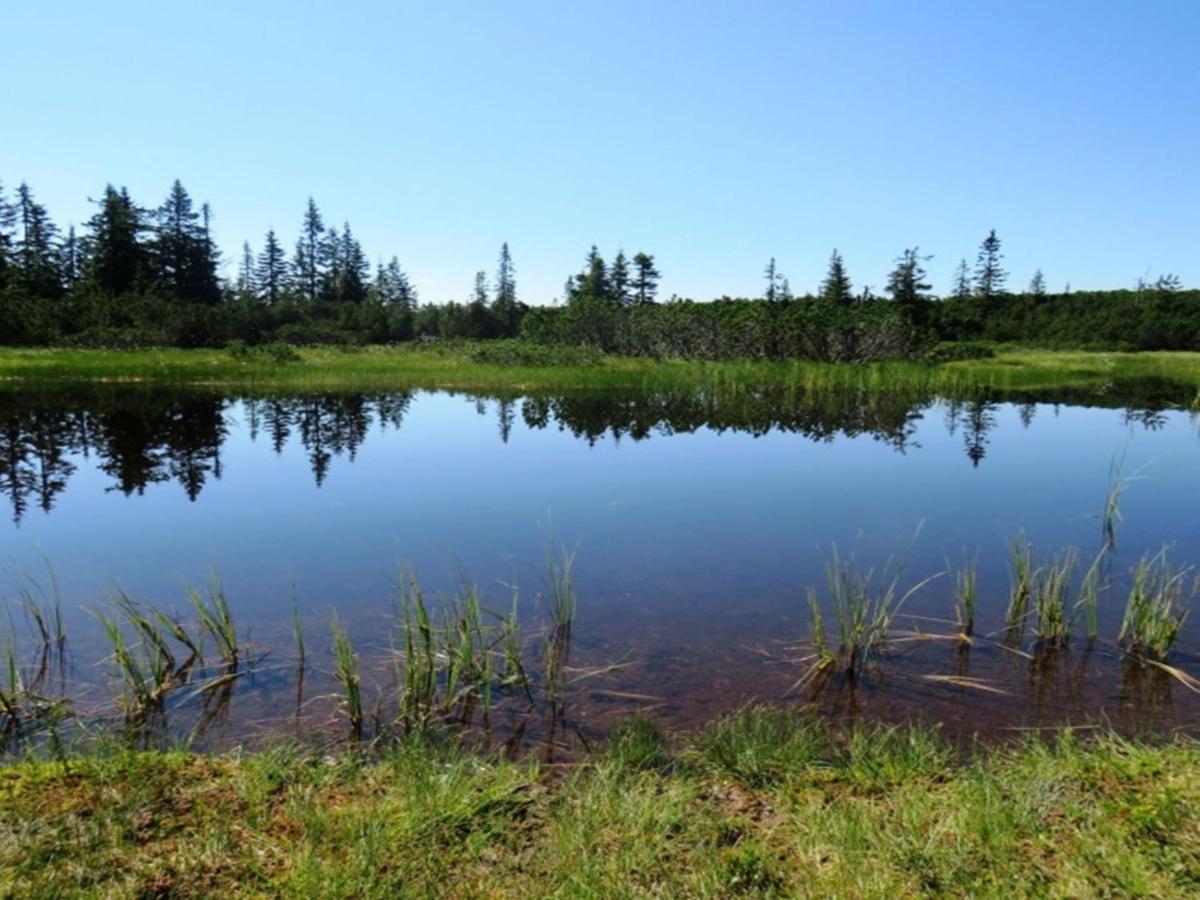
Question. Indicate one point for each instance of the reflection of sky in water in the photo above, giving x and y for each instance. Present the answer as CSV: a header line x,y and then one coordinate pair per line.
x,y
681,528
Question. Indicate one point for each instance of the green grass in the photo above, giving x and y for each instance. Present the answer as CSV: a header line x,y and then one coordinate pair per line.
x,y
456,365
764,803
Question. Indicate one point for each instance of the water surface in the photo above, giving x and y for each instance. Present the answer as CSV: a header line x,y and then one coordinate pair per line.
x,y
700,519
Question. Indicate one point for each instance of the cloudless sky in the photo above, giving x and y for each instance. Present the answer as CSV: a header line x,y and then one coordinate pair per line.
x,y
714,135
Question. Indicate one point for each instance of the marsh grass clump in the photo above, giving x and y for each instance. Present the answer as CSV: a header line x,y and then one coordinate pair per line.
x,y
1158,604
763,745
347,674
965,586
1049,591
637,744
864,603
455,659
216,620
1020,554
144,659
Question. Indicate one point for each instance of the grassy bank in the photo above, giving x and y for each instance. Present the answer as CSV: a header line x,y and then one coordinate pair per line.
x,y
766,803
465,366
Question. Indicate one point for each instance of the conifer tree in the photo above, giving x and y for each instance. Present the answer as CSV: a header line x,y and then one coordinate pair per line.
x,y
8,218
354,269
1037,284
989,276
645,277
504,307
618,279
836,287
393,287
907,283
962,281
177,244
306,264
271,271
772,276
246,284
118,262
36,254
70,259
480,294
330,265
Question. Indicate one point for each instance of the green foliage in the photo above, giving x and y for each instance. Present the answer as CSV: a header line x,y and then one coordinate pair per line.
x,y
955,351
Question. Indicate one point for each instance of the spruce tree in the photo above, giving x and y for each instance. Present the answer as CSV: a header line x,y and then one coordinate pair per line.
x,y
907,283
989,276
178,244
1037,285
246,284
208,263
271,271
330,265
36,252
393,287
354,269
504,307
836,287
645,277
962,281
8,218
306,264
118,262
70,256
772,276
618,279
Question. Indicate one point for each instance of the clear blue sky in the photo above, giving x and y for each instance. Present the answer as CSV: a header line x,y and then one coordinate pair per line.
x,y
714,135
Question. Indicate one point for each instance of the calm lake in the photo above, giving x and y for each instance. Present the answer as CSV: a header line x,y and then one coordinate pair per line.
x,y
699,521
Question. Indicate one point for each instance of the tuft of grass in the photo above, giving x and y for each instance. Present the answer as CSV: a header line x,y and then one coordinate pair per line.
x,y
216,620
347,674
864,603
1020,554
964,582
1158,604
1052,610
762,745
637,744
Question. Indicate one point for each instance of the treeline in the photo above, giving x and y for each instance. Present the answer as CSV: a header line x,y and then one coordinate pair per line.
x,y
143,276
136,276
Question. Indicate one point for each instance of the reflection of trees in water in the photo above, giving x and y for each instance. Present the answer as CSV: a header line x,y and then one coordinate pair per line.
x,y
141,437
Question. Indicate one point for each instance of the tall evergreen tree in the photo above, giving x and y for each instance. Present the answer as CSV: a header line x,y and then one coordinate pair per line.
x,y
480,294
36,251
619,280
504,307
771,274
907,283
207,284
306,264
70,259
962,281
592,282
247,285
355,269
271,271
8,218
836,287
1037,284
393,287
645,277
330,265
118,262
177,242
989,276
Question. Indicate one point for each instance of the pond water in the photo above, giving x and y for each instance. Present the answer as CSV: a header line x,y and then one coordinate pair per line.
x,y
699,520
